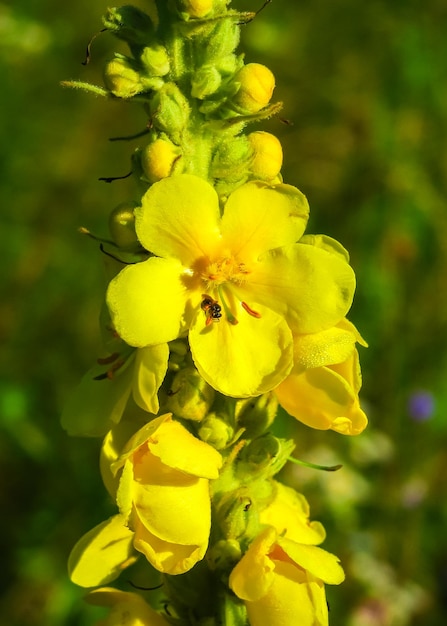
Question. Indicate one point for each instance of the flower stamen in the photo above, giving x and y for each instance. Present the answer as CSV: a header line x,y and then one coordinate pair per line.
x,y
230,317
250,311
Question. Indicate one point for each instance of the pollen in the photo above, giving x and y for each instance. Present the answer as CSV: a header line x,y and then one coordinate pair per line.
x,y
225,270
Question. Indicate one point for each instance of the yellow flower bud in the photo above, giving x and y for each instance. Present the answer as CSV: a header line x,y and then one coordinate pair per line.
x,y
121,79
158,159
256,87
196,8
267,155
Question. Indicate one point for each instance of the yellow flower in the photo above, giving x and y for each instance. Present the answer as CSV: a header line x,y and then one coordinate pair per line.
x,y
127,608
281,581
164,501
164,492
238,283
322,388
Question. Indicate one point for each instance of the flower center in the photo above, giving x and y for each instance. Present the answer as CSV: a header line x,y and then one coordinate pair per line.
x,y
218,277
226,270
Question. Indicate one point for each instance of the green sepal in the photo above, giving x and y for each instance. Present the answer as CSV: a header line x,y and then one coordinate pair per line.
x,y
130,24
88,87
264,457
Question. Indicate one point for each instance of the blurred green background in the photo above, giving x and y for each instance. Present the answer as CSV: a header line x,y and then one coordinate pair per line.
x,y
364,86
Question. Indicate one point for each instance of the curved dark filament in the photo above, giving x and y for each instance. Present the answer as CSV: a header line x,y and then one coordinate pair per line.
x,y
89,46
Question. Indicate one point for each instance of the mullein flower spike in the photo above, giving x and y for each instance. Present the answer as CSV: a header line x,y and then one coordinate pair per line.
x,y
219,308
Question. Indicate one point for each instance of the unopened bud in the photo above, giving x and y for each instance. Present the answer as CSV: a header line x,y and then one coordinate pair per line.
x,y
155,60
170,110
224,554
216,431
237,514
256,415
158,159
267,155
190,397
122,225
232,158
205,82
256,87
121,79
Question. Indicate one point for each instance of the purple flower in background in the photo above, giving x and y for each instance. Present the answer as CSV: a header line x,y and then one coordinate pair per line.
x,y
421,405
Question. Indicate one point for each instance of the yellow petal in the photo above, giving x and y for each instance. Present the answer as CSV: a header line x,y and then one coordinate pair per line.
x,y
172,505
252,577
246,359
178,449
333,345
147,301
150,368
102,553
128,609
179,218
259,217
322,399
139,438
310,287
170,558
289,514
290,600
318,562
175,446
111,448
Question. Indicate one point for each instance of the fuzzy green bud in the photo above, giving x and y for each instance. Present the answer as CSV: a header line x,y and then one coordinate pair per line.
x,y
189,396
224,554
155,60
122,225
170,111
205,82
121,79
158,159
264,456
267,155
232,159
129,23
237,514
256,85
216,431
256,415
222,41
